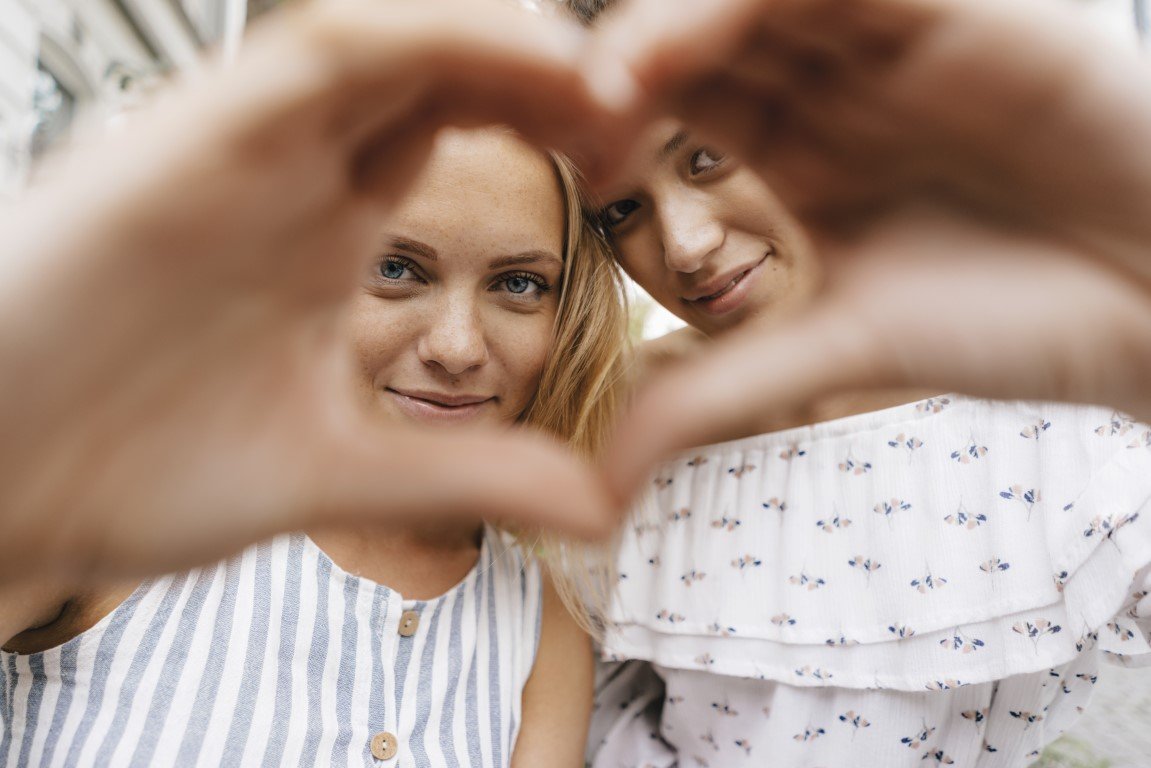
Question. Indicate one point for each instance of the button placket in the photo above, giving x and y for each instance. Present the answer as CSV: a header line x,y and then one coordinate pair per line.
x,y
384,744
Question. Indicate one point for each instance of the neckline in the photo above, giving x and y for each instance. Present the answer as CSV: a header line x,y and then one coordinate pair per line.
x,y
843,426
473,573
145,590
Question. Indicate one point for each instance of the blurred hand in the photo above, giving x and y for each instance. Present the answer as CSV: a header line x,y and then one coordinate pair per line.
x,y
176,380
976,178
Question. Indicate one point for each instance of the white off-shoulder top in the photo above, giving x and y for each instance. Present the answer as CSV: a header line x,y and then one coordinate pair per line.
x,y
931,584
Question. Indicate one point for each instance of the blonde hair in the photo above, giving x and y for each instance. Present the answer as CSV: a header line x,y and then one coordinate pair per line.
x,y
583,386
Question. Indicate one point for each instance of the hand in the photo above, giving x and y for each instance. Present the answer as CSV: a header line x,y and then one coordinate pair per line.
x,y
925,301
176,379
973,177
852,107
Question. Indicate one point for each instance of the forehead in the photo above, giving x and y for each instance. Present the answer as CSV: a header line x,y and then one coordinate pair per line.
x,y
660,140
652,153
484,190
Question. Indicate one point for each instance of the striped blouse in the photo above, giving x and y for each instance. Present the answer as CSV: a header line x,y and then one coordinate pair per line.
x,y
279,657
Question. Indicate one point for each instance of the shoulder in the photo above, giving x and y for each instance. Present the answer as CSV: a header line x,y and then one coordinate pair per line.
x,y
511,572
509,554
559,625
660,353
565,650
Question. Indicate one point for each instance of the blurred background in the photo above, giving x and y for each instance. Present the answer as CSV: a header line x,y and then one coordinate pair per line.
x,y
63,62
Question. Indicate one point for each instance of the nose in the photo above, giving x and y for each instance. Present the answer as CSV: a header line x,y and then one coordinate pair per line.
x,y
690,231
454,339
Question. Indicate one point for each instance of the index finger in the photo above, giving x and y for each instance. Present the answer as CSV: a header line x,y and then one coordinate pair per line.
x,y
481,62
725,392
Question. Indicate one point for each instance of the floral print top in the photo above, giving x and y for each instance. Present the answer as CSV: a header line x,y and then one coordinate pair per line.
x,y
931,584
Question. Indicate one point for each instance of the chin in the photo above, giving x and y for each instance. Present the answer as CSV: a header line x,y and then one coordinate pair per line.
x,y
715,326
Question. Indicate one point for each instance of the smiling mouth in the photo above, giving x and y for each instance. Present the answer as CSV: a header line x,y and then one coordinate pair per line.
x,y
446,402
724,290
729,286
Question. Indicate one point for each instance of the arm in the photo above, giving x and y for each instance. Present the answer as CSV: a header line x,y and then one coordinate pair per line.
x,y
974,176
558,696
655,355
681,347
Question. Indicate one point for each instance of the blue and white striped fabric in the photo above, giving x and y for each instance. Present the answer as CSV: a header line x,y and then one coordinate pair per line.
x,y
278,657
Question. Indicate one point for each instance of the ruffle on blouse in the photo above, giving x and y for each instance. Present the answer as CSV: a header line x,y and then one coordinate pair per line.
x,y
927,546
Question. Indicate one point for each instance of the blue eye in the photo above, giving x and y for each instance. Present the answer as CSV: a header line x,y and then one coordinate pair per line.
x,y
523,285
518,284
393,269
616,213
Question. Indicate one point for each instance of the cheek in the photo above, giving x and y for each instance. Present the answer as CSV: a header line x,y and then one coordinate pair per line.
x,y
379,336
753,208
520,346
641,258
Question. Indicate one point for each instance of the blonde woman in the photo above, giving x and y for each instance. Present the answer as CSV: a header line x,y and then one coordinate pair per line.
x,y
428,642
211,245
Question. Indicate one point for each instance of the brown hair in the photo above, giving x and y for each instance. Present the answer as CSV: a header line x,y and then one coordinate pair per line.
x,y
587,11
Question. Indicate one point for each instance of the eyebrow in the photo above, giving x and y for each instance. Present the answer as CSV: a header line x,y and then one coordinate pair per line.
x,y
527,257
415,247
674,143
425,251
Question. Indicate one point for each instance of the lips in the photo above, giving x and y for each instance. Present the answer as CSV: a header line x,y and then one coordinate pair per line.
x,y
714,289
440,407
725,295
729,285
442,400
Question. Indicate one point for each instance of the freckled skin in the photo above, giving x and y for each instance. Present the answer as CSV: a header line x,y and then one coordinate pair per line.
x,y
457,329
484,194
452,327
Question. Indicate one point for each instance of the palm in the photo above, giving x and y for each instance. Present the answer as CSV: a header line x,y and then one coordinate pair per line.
x,y
971,176
940,299
961,159
848,107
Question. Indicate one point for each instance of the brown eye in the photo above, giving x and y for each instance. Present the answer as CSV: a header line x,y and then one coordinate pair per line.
x,y
704,160
617,213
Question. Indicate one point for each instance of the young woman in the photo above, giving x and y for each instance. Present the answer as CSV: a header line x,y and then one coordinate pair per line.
x,y
426,643
210,244
910,578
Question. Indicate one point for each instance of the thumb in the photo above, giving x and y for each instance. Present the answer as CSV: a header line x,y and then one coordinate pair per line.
x,y
726,392
516,477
